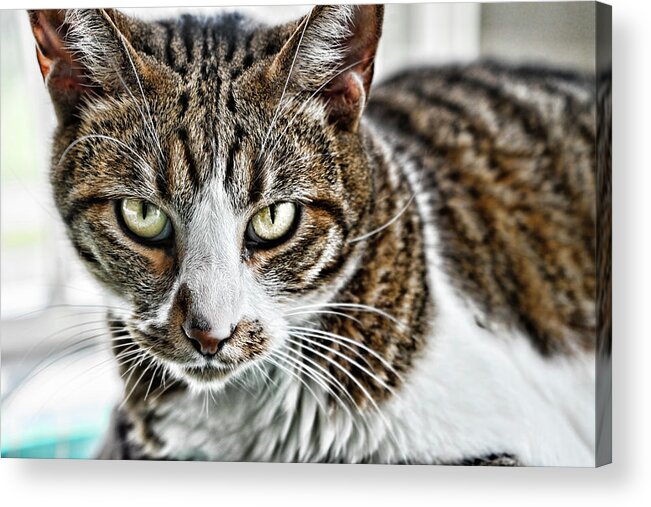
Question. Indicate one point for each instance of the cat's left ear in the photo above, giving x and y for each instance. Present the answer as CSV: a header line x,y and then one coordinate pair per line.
x,y
331,53
82,53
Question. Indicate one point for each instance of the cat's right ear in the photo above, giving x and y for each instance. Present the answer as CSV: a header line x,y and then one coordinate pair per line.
x,y
79,53
331,53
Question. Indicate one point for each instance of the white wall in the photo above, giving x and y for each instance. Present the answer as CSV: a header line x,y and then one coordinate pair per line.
x,y
554,33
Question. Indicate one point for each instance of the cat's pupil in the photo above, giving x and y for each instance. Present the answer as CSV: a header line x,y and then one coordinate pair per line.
x,y
272,213
145,210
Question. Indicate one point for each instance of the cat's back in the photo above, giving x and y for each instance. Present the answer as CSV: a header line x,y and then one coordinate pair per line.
x,y
507,155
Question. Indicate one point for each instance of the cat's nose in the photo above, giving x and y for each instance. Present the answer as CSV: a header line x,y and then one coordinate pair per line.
x,y
208,341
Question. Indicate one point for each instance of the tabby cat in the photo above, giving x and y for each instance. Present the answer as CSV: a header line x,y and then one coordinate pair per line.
x,y
303,267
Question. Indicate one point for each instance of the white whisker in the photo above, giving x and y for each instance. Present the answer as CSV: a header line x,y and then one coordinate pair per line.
x,y
337,337
372,375
321,379
282,96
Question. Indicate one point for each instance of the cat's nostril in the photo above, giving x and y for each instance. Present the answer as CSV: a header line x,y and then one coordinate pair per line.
x,y
204,341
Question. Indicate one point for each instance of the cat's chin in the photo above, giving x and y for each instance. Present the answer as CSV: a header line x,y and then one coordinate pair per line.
x,y
205,377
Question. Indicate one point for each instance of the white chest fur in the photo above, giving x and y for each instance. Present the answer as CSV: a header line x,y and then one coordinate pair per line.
x,y
478,392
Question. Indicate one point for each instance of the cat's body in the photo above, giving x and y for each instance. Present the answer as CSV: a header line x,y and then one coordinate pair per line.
x,y
438,299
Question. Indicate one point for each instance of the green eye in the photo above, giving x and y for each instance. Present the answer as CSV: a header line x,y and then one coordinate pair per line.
x,y
145,220
272,223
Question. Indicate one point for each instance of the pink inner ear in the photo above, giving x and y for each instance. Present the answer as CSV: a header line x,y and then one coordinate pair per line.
x,y
48,28
349,87
347,93
362,45
44,63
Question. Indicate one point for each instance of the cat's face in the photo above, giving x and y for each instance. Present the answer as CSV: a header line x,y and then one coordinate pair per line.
x,y
213,182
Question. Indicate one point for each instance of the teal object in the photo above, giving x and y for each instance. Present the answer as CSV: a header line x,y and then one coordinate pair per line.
x,y
79,446
76,435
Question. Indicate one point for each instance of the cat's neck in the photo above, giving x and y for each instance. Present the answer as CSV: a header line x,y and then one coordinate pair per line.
x,y
386,298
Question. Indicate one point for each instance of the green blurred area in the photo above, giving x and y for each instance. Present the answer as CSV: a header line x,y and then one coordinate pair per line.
x,y
19,238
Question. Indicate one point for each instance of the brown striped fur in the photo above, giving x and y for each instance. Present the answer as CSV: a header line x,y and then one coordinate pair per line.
x,y
514,177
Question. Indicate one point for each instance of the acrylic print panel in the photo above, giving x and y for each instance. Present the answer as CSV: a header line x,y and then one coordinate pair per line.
x,y
345,234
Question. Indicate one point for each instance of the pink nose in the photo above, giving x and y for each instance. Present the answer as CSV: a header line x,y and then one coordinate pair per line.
x,y
205,341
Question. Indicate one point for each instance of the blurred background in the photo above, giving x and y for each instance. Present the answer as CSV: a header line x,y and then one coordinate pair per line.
x,y
58,380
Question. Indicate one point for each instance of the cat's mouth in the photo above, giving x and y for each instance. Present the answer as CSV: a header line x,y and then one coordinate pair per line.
x,y
207,372
248,343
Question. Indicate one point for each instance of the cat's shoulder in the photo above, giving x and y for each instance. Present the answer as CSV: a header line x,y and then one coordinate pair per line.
x,y
507,156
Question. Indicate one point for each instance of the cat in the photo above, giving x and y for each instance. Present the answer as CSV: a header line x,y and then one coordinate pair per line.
x,y
307,267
